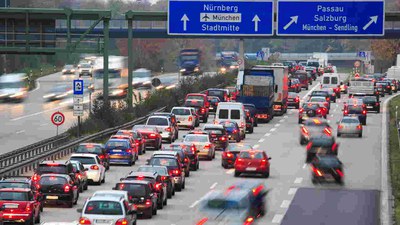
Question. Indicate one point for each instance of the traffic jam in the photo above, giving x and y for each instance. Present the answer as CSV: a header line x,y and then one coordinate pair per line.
x,y
216,121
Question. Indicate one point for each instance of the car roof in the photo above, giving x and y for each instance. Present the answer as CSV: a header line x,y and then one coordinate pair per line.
x,y
155,116
120,140
134,181
105,198
16,189
181,107
87,155
153,166
213,126
164,156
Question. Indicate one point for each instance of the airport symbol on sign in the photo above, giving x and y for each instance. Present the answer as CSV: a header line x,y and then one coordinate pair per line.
x,y
221,17
330,18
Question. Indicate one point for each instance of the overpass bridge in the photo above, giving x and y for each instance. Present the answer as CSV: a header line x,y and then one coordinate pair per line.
x,y
351,56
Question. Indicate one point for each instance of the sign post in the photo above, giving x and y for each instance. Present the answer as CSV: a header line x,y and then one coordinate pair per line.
x,y
331,18
78,102
57,119
221,17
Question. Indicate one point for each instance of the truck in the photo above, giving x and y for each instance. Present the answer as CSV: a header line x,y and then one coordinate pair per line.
x,y
189,62
258,88
361,86
227,62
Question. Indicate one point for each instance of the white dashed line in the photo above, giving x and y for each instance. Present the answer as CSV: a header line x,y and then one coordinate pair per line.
x,y
292,191
277,125
285,204
267,134
282,120
230,171
277,218
256,146
298,180
214,185
20,131
331,115
285,117
272,129
304,166
194,204
261,140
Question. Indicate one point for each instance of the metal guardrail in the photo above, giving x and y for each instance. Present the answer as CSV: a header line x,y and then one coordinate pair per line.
x,y
25,159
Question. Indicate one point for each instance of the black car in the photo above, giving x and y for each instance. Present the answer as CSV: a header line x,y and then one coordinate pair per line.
x,y
229,155
56,167
321,144
165,177
158,187
174,169
58,189
222,94
387,86
357,110
294,85
183,158
253,112
325,168
380,88
310,110
23,182
190,152
140,193
97,149
313,126
81,175
321,93
249,121
293,100
214,101
372,104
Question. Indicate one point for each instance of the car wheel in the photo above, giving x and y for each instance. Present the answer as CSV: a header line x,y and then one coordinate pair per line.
x,y
197,166
297,106
364,122
313,181
85,187
76,199
224,166
309,158
173,191
154,211
104,179
205,120
378,110
108,166
70,204
251,130
338,134
237,174
160,205
302,141
184,184
187,174
149,214
300,121
360,135
165,201
37,220
307,88
266,174
31,221
178,187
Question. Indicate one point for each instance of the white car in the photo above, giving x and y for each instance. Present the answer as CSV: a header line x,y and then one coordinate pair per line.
x,y
96,171
112,193
107,210
184,116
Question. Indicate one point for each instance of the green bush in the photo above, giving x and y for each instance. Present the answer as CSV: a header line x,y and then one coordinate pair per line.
x,y
394,156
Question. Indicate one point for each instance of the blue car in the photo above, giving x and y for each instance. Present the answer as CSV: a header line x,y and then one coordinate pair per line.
x,y
232,130
121,152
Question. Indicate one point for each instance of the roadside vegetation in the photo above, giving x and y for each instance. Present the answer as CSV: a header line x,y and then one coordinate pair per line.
x,y
394,156
107,115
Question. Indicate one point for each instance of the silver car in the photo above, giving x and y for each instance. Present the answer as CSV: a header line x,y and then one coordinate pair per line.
x,y
107,210
164,125
349,125
202,143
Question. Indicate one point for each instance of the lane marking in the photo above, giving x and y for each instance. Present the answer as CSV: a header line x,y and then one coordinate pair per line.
x,y
261,140
230,171
38,113
331,115
285,204
292,191
267,134
20,131
282,120
272,129
194,204
277,125
277,218
309,92
256,146
286,116
214,185
304,166
298,180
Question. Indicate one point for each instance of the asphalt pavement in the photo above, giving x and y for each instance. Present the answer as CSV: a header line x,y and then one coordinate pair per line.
x,y
289,173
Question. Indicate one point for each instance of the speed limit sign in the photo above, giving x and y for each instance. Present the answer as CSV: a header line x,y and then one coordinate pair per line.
x,y
57,118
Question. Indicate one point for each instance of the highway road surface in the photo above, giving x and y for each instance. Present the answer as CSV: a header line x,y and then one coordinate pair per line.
x,y
289,180
29,122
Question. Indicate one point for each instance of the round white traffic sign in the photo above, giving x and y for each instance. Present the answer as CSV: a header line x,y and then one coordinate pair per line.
x,y
357,64
57,118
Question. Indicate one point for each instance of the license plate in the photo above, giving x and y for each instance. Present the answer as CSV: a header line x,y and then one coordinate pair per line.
x,y
103,221
117,150
211,108
322,151
370,107
51,197
251,169
290,100
328,176
11,206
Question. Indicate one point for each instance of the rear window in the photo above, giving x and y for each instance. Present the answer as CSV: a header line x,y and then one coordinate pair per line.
x,y
52,180
84,160
181,112
322,142
196,138
350,120
369,99
88,149
194,103
292,95
328,162
163,162
195,97
326,80
215,93
62,169
249,155
235,114
215,131
13,196
334,80
157,121
353,108
117,144
14,185
236,147
229,125
159,170
136,190
223,114
104,208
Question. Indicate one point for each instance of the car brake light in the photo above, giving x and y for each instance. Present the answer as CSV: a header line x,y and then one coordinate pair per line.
x,y
190,118
35,177
242,124
317,172
364,112
304,130
346,112
377,104
164,178
67,188
327,131
202,221
152,135
148,202
207,146
249,221
84,221
168,129
176,172
94,167
122,221
193,149
334,146
309,146
339,172
129,151
297,99
388,86
28,207
319,111
228,154
203,110
234,131
222,138
263,162
137,143
79,176
158,186
186,160
328,99
359,127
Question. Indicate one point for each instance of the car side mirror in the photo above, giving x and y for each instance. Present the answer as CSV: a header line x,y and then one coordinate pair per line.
x,y
72,174
147,161
113,188
198,151
269,158
79,210
178,122
184,136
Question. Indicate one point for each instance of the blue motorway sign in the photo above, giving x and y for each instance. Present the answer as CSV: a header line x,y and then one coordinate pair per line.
x,y
331,18
78,87
4,3
221,17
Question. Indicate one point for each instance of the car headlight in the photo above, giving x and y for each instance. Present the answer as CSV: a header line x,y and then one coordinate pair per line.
x,y
17,95
73,71
196,69
223,69
49,95
64,70
182,70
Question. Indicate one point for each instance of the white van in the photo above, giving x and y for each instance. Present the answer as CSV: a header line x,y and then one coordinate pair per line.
x,y
330,80
232,111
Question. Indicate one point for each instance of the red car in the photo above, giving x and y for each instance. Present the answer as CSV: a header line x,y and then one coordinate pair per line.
x,y
139,140
203,109
19,205
150,134
252,162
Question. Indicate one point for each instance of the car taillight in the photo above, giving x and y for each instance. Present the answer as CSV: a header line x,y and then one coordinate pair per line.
x,y
84,221
67,188
317,172
297,99
101,156
249,221
339,172
327,131
122,221
388,86
164,178
301,110
309,146
137,143
148,202
79,176
242,124
190,118
326,104
168,129
319,111
222,138
334,147
35,177
328,99
340,126
186,160
203,110
193,149
304,130
129,151
263,162
359,127
234,131
202,221
94,167
28,207
207,146
158,186
228,154
152,135
364,112
346,112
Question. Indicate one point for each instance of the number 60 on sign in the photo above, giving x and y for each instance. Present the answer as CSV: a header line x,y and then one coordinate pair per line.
x,y
57,118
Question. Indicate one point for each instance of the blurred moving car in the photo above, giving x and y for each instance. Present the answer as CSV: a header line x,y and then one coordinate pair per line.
x,y
68,69
322,144
13,87
310,110
349,125
141,78
252,162
85,69
313,126
58,92
327,168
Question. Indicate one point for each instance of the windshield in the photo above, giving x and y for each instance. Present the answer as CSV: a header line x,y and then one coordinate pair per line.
x,y
196,138
181,112
14,185
9,85
13,196
99,74
89,149
157,121
52,180
228,124
322,142
117,144
189,57
84,160
103,208
163,162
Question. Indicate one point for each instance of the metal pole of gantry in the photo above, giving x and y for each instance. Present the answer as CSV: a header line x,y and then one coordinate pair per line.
x,y
130,63
106,33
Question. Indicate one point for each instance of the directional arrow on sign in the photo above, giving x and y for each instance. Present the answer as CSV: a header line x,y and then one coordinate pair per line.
x,y
293,20
184,19
256,19
374,19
